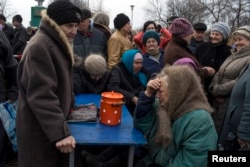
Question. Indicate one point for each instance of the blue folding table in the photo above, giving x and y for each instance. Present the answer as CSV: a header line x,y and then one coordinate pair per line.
x,y
99,134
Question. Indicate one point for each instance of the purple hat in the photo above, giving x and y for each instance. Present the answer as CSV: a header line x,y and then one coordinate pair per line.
x,y
181,27
186,61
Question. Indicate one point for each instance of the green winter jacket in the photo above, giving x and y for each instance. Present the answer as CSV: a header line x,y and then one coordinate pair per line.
x,y
193,136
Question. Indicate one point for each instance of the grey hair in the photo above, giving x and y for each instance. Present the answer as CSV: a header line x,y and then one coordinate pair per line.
x,y
101,18
95,64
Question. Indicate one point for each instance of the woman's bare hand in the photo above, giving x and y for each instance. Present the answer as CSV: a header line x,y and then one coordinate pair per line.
x,y
152,86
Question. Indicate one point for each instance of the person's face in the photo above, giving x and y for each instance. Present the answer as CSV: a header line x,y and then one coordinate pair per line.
x,y
163,91
137,65
70,30
84,25
199,35
14,23
216,37
126,28
188,38
151,44
2,21
150,27
241,42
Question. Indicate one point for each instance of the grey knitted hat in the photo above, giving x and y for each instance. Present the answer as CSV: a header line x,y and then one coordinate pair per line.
x,y
222,28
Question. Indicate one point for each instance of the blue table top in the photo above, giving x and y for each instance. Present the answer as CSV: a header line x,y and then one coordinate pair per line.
x,y
98,134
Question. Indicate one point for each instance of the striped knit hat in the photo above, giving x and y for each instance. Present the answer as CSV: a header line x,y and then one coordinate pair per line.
x,y
222,28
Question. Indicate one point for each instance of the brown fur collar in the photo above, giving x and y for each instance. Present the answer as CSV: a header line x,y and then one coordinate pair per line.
x,y
62,35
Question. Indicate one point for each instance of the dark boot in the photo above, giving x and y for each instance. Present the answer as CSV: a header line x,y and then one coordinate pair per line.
x,y
93,162
107,154
85,154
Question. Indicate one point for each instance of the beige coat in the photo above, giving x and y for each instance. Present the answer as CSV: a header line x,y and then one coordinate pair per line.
x,y
224,81
117,44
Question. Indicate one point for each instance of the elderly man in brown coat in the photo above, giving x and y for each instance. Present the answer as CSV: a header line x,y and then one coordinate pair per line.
x,y
45,95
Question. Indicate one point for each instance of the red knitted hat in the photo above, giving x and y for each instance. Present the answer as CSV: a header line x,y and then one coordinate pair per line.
x,y
181,27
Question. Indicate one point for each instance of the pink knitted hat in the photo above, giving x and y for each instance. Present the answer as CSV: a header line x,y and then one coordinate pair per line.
x,y
181,27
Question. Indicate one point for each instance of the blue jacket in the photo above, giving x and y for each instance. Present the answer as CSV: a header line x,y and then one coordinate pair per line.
x,y
152,65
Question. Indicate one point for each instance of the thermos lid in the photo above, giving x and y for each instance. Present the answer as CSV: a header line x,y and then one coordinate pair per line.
x,y
113,95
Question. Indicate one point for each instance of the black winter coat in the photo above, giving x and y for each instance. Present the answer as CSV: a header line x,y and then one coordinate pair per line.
x,y
122,82
8,71
20,40
9,32
84,84
212,55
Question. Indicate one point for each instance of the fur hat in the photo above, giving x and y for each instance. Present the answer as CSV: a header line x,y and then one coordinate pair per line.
x,y
200,27
222,28
121,20
63,12
181,27
101,18
17,18
244,31
3,17
95,64
150,34
86,14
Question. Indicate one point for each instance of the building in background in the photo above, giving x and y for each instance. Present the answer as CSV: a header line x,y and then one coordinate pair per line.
x,y
36,13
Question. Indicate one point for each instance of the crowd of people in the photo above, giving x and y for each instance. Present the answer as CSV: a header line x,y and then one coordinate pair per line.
x,y
185,86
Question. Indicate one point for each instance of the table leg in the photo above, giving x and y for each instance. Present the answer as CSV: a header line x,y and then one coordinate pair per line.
x,y
131,155
71,159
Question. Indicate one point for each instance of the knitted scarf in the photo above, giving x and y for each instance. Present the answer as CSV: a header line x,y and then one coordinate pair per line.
x,y
154,52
